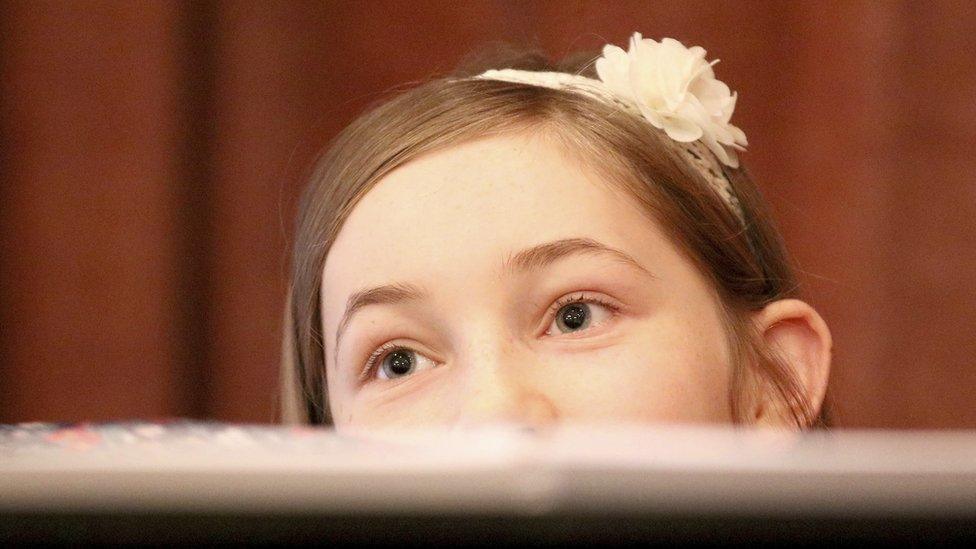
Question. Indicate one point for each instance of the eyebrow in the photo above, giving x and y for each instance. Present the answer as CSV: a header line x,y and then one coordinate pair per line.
x,y
535,258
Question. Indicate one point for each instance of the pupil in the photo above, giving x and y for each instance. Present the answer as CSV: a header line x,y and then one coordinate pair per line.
x,y
400,363
574,316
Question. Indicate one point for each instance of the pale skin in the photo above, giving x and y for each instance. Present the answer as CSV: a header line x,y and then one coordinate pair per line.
x,y
486,345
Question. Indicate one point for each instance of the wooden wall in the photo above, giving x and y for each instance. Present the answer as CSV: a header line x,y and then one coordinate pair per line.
x,y
151,155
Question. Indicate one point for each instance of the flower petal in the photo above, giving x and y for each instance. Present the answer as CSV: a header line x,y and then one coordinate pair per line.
x,y
733,161
613,69
682,129
719,151
645,81
651,115
738,137
675,89
714,96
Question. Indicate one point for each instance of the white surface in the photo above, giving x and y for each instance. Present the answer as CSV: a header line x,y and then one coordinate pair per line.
x,y
583,469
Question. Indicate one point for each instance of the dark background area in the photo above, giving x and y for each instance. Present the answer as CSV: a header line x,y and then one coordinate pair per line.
x,y
151,155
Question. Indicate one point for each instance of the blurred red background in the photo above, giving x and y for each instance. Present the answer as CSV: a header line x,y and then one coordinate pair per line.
x,y
152,155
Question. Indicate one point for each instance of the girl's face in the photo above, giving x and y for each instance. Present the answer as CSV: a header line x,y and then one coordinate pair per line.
x,y
509,284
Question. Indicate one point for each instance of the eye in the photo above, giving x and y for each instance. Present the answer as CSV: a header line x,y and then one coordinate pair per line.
x,y
576,313
393,361
573,313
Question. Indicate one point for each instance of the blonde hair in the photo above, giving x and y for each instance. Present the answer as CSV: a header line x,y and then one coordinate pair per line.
x,y
747,266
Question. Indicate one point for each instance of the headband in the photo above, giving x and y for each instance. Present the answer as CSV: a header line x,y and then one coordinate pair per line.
x,y
670,86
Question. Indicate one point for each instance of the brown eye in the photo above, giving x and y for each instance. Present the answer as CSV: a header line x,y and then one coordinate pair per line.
x,y
400,362
573,317
578,315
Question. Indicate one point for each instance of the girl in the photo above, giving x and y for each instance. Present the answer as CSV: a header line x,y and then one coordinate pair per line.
x,y
544,244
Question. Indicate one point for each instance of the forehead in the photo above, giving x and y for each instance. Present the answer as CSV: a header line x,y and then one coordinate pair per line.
x,y
449,217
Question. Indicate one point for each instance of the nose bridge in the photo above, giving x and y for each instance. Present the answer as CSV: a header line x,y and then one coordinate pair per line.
x,y
500,385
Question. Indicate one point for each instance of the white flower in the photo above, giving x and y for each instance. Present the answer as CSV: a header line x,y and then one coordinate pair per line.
x,y
676,90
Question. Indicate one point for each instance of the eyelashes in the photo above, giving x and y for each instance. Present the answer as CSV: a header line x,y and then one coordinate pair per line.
x,y
375,366
580,298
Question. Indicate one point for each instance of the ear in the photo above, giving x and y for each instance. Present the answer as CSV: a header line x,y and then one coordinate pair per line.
x,y
794,329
